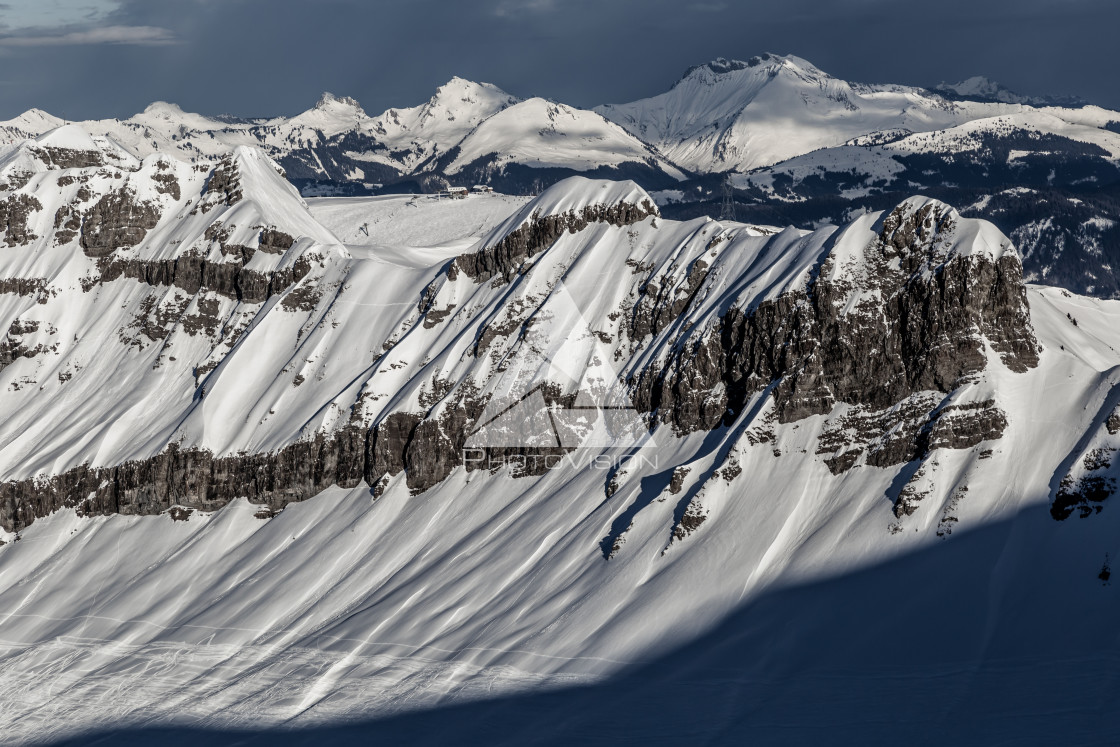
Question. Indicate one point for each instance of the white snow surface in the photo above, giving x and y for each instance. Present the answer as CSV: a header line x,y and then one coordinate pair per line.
x,y
725,115
877,161
438,125
748,115
794,610
414,220
544,134
479,118
744,115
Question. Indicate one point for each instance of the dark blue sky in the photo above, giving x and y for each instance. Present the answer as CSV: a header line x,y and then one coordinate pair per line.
x,y
104,58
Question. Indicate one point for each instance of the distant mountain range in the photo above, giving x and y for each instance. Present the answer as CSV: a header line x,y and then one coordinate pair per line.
x,y
980,88
524,468
805,148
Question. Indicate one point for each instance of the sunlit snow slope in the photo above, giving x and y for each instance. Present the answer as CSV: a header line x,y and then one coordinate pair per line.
x,y
244,486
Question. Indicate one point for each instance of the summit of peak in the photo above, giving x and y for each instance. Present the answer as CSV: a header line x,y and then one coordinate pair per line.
x,y
164,108
329,101
458,82
768,61
68,136
464,87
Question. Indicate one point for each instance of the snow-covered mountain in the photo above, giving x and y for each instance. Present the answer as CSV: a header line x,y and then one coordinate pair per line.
x,y
440,124
461,134
542,140
720,116
807,148
981,88
255,471
1047,177
734,115
812,149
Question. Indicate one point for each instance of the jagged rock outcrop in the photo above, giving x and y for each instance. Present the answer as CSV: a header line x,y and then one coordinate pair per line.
x,y
1091,479
275,242
14,214
23,286
905,317
194,274
12,345
69,158
877,331
118,219
223,187
191,478
538,233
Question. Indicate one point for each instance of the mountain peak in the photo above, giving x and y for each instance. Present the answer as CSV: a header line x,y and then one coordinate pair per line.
x,y
163,108
457,82
767,61
329,102
981,88
465,89
69,137
33,122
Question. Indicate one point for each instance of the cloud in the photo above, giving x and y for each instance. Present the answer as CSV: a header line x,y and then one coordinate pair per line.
x,y
138,35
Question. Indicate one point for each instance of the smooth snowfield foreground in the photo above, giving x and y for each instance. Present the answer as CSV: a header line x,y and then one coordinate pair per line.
x,y
796,615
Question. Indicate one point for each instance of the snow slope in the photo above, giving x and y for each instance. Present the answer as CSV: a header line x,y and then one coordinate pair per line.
x,y
543,134
742,115
879,161
723,115
403,593
343,608
29,124
441,123
731,115
413,220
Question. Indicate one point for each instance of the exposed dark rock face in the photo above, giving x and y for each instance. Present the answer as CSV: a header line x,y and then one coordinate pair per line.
x,y
892,360
920,336
191,479
69,158
223,187
689,521
118,219
167,184
67,224
541,232
965,426
194,274
390,439
662,302
677,482
12,345
427,449
14,212
1113,423
1085,494
907,432
23,286
275,242
1091,479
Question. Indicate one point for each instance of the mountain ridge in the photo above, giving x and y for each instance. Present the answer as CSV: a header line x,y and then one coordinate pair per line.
x,y
264,487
